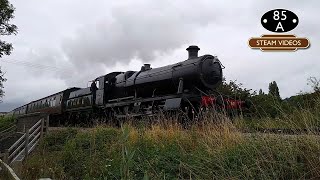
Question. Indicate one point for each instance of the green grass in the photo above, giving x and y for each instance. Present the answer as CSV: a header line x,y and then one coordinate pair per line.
x,y
290,117
213,151
214,148
5,122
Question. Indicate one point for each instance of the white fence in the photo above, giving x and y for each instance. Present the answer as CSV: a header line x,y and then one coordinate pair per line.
x,y
27,142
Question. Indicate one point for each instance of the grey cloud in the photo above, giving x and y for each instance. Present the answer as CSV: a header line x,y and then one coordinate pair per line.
x,y
137,31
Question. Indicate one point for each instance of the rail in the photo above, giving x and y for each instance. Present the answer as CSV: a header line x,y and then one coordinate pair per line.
x,y
26,143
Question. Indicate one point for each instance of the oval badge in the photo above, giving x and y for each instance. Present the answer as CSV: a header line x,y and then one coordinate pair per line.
x,y
279,20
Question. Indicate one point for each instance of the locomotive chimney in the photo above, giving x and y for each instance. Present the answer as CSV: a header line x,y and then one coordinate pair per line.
x,y
146,67
193,51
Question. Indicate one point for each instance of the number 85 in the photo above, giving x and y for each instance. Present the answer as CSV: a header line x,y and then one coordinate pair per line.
x,y
277,17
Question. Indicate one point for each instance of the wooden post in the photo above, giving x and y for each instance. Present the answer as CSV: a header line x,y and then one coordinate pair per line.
x,y
26,143
42,124
47,124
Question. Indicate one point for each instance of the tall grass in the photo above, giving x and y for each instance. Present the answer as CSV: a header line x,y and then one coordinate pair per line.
x,y
214,148
6,121
305,114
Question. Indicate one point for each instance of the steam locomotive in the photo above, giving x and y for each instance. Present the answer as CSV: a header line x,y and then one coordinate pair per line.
x,y
181,86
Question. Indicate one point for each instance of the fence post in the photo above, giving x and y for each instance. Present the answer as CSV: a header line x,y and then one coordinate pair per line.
x,y
47,124
26,143
42,124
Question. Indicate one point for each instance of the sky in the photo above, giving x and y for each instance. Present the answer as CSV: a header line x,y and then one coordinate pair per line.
x,y
63,44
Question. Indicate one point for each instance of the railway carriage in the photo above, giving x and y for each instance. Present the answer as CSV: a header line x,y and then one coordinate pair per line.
x,y
20,111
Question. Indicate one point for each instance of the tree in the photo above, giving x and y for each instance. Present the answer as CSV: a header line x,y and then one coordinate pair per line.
x,y
6,14
314,83
234,90
261,92
274,90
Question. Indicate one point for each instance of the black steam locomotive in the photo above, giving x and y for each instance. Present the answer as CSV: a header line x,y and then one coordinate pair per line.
x,y
184,85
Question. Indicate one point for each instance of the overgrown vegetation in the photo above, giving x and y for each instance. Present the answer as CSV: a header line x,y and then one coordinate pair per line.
x,y
5,122
211,149
271,105
165,153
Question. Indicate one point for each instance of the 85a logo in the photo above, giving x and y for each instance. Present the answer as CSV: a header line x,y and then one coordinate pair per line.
x,y
279,21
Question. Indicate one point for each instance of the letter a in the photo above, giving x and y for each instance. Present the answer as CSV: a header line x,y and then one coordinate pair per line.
x,y
279,26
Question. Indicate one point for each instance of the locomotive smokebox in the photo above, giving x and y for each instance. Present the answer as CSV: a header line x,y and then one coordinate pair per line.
x,y
193,51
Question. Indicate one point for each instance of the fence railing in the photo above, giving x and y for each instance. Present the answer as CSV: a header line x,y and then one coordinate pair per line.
x,y
27,142
11,129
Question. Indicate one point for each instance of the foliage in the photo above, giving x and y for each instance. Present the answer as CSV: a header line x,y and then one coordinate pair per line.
x,y
5,122
260,92
271,105
210,151
214,148
265,105
6,14
262,105
274,90
234,90
56,142
314,83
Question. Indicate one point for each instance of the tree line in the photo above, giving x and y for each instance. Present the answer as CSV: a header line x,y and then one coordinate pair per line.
x,y
271,104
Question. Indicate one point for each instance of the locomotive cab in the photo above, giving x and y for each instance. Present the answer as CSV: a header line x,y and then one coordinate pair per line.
x,y
97,88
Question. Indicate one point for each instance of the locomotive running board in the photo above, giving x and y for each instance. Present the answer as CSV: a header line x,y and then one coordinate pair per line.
x,y
120,99
123,103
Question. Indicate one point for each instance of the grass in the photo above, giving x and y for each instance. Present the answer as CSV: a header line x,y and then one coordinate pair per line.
x,y
5,122
214,148
290,117
5,173
206,151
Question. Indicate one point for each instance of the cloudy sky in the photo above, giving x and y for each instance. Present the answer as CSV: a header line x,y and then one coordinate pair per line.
x,y
66,43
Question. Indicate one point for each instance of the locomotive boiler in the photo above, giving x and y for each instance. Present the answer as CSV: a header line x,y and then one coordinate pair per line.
x,y
194,74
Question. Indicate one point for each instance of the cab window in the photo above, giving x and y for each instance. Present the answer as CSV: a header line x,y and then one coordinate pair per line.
x,y
97,84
